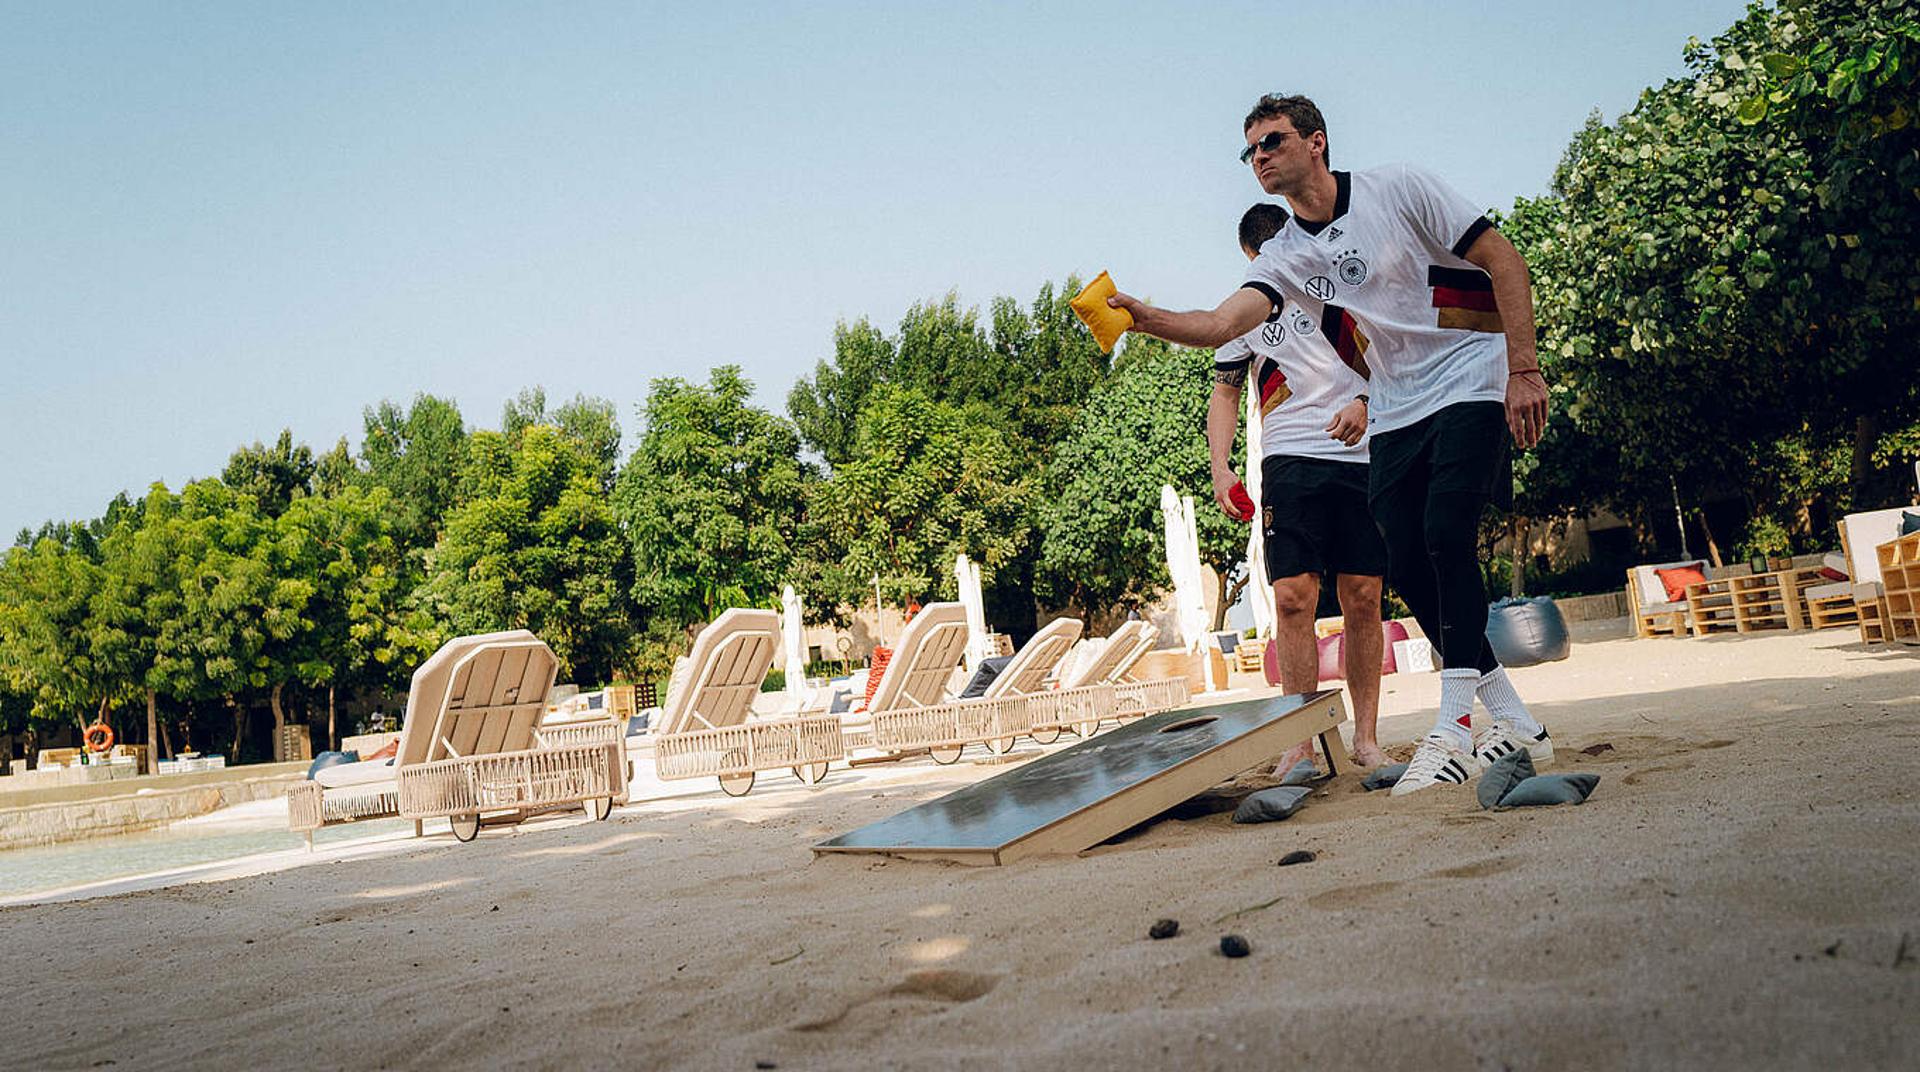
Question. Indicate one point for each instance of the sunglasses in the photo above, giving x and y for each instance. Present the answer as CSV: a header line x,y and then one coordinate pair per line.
x,y
1266,145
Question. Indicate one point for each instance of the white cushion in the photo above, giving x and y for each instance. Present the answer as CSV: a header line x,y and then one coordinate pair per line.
x,y
365,772
1865,533
1829,591
1835,561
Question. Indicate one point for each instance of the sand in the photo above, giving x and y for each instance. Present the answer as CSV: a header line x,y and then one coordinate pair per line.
x,y
1742,890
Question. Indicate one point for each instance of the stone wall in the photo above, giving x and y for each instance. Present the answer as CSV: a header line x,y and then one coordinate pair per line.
x,y
45,824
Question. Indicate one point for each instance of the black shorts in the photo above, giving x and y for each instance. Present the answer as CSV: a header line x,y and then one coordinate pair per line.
x,y
1462,448
1314,515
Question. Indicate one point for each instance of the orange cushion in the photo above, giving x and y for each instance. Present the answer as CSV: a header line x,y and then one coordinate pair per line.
x,y
1679,577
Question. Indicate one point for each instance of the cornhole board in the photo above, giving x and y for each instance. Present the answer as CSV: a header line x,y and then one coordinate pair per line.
x,y
1080,796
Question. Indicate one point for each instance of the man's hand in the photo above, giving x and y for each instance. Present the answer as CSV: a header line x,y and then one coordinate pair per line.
x,y
1350,423
1232,496
1135,308
1526,407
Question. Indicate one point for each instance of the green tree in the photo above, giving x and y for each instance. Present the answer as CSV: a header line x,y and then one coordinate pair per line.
x,y
139,593
366,631
243,605
417,454
1721,271
274,476
533,544
46,649
924,484
711,502
1103,541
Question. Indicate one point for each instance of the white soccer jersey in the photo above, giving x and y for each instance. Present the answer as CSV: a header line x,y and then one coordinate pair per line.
x,y
1300,384
1393,294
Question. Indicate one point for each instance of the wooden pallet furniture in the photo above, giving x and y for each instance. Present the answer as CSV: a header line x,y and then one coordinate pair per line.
x,y
1828,602
1860,535
1247,655
1653,613
1899,562
1710,607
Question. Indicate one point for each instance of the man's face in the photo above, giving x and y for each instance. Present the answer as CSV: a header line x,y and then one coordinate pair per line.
x,y
1286,166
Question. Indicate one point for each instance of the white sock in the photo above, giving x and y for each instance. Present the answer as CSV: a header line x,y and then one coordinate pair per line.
x,y
1456,707
1503,703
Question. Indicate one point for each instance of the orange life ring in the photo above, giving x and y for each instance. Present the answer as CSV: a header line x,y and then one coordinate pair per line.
x,y
98,737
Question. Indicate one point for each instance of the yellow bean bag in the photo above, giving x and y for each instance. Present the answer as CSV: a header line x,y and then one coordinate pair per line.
x,y
1106,322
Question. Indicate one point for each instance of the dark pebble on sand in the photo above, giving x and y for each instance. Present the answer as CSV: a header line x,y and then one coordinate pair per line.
x,y
1233,945
1163,928
1596,749
1297,856
765,1064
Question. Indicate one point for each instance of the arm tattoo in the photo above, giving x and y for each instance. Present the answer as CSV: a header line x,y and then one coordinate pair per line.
x,y
1230,375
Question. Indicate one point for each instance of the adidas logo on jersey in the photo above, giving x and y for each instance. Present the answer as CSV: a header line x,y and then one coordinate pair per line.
x,y
1334,233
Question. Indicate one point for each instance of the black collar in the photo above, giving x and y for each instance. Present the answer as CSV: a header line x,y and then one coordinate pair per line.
x,y
1343,193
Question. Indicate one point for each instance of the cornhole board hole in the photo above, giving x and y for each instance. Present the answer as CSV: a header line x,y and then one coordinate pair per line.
x,y
1080,796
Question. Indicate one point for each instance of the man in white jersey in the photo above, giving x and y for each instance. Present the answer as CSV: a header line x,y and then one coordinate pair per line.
x,y
1313,487
1416,290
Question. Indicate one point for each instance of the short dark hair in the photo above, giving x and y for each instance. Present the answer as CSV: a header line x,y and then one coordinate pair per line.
x,y
1300,111
1260,223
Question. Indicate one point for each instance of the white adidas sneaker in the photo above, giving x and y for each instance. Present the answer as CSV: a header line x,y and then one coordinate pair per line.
x,y
1504,738
1438,761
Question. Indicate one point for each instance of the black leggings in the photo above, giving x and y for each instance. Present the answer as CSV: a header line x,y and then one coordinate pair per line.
x,y
1429,483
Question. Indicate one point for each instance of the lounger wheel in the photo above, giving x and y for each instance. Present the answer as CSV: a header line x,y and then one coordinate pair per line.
x,y
1046,736
1086,729
465,827
1000,746
811,773
736,785
597,808
948,755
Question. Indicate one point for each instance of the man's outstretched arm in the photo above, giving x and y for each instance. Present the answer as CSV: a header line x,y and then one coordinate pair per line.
x,y
1243,311
1513,293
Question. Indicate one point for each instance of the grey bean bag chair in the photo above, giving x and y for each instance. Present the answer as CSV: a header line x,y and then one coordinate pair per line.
x,y
1524,632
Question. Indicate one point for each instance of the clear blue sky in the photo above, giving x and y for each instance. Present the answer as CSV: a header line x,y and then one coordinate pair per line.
x,y
219,220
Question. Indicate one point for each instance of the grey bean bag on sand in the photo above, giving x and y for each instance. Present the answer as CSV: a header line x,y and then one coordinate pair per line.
x,y
1511,783
1303,773
1383,777
1271,805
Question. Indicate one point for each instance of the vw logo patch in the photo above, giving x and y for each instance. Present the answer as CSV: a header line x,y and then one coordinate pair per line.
x,y
1320,288
1273,332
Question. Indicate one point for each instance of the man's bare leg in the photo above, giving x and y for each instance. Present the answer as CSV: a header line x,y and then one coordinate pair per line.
x,y
1360,604
1294,600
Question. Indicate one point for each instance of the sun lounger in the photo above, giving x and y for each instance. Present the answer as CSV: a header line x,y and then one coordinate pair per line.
x,y
471,744
705,731
1055,704
910,710
1017,701
1114,666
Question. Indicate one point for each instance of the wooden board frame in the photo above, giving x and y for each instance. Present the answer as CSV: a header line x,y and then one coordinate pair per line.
x,y
1312,715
